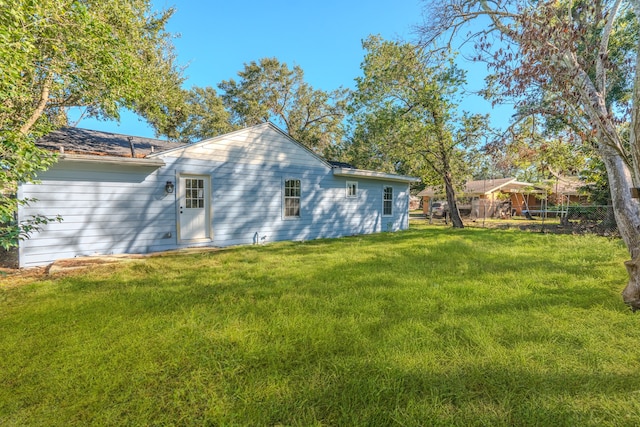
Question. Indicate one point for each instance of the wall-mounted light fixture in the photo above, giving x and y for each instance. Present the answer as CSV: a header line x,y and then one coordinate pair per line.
x,y
169,187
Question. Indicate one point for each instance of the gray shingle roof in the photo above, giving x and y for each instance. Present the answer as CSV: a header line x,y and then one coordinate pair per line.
x,y
340,164
84,141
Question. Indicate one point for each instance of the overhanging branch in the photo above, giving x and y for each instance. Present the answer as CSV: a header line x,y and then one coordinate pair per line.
x,y
42,104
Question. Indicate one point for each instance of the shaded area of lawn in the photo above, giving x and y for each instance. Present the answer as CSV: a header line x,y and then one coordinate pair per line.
x,y
430,326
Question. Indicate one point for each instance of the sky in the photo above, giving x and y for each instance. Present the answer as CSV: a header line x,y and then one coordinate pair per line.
x,y
216,38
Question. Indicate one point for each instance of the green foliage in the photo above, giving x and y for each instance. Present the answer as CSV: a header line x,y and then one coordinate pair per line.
x,y
430,326
269,91
403,113
94,54
12,231
576,60
403,117
20,161
535,151
56,54
596,183
204,116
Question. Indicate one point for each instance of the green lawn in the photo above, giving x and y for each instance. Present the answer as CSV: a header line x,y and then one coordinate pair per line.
x,y
432,326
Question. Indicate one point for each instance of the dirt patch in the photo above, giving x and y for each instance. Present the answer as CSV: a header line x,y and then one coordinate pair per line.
x,y
9,259
16,275
65,265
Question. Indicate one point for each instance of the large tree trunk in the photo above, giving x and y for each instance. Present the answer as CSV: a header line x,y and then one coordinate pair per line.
x,y
628,209
627,212
456,220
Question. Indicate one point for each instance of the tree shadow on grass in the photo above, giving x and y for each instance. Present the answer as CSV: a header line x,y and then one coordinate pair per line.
x,y
369,391
376,263
286,334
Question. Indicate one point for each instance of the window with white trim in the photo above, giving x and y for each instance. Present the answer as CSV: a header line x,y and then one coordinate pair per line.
x,y
352,189
387,201
292,198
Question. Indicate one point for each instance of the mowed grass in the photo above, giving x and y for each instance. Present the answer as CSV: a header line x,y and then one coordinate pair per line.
x,y
431,326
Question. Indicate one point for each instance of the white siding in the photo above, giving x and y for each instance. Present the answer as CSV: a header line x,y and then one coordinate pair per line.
x,y
106,210
254,146
124,209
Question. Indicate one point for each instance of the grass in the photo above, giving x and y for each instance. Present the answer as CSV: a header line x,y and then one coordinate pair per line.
x,y
431,326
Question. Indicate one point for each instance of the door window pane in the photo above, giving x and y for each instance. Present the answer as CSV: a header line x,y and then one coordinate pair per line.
x,y
194,193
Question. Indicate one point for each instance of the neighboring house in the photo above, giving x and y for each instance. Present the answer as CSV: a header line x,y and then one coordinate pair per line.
x,y
489,196
567,190
250,186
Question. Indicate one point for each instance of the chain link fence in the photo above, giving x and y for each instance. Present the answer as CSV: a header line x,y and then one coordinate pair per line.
x,y
595,219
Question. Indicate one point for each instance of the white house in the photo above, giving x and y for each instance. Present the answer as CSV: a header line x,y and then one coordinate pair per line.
x,y
122,194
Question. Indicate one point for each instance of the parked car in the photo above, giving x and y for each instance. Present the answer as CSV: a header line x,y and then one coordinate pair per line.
x,y
439,209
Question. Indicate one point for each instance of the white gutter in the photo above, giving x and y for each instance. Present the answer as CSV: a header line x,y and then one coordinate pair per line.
x,y
361,173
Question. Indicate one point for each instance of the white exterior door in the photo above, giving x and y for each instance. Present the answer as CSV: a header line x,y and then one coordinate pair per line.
x,y
194,202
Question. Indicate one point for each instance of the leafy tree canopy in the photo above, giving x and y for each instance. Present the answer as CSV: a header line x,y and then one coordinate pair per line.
x,y
533,152
55,54
204,116
270,91
404,116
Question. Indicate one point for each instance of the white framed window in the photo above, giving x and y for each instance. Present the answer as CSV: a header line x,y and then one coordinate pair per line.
x,y
292,189
387,200
352,189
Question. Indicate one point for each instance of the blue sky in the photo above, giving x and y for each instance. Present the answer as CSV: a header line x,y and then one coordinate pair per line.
x,y
216,38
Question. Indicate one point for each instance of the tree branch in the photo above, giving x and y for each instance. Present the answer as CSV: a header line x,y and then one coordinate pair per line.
x,y
601,75
42,104
634,140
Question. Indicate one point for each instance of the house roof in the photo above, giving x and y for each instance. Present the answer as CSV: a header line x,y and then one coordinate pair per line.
x,y
488,186
79,144
485,186
72,140
336,164
338,168
361,173
565,185
348,170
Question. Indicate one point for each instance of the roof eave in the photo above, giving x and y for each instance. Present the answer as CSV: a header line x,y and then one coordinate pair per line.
x,y
500,187
381,176
113,160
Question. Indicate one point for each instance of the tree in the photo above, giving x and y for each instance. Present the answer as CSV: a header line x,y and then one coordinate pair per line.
x,y
204,116
404,115
56,54
596,185
585,54
269,91
534,151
